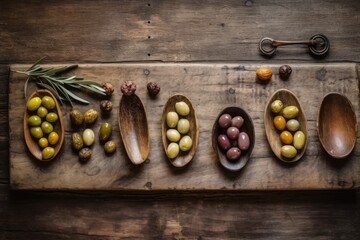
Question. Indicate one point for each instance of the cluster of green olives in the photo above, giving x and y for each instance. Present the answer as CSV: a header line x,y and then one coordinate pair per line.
x,y
285,121
41,121
178,130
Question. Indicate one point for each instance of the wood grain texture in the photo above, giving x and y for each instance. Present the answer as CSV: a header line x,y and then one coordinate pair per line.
x,y
211,88
186,30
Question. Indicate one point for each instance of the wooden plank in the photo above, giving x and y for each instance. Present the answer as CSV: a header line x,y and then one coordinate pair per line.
x,y
210,87
172,30
4,125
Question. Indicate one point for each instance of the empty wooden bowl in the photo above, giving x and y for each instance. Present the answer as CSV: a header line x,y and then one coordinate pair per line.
x,y
184,157
247,127
31,142
133,127
337,125
272,134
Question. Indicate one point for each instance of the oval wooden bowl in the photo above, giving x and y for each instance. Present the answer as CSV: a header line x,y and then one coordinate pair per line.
x,y
184,157
247,127
134,129
32,143
272,134
337,125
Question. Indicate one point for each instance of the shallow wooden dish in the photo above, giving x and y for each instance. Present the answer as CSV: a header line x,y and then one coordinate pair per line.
x,y
247,127
32,143
336,125
184,157
133,127
272,134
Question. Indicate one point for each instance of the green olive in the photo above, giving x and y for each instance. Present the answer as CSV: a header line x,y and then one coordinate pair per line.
x,y
173,135
53,138
47,127
51,117
33,104
90,116
292,125
172,119
276,106
34,121
42,111
185,143
288,151
48,102
36,132
290,112
105,132
182,108
43,142
88,137
77,141
183,126
48,153
299,140
172,150
76,117
110,147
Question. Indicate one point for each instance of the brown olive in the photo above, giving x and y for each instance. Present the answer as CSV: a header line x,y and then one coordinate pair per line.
x,y
128,88
76,141
110,147
76,117
84,155
108,87
284,72
106,106
105,131
153,89
90,116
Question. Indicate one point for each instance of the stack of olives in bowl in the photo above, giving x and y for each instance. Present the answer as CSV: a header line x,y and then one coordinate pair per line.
x,y
42,125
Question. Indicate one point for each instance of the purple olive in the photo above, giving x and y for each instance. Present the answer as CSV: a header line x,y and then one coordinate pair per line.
x,y
225,120
233,153
243,141
237,122
232,133
223,142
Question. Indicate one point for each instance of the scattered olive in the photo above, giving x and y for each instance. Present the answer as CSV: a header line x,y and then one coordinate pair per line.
x,y
172,150
48,153
76,117
88,137
77,141
84,155
264,74
128,88
108,87
33,104
182,108
106,106
285,72
172,119
185,143
105,131
90,116
153,89
110,147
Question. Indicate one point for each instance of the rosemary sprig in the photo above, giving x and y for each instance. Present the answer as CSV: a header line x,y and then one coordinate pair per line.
x,y
49,78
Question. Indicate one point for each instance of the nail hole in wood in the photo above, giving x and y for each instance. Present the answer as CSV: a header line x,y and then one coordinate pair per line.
x,y
149,54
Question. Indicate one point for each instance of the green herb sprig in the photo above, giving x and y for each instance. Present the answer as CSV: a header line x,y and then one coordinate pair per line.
x,y
49,78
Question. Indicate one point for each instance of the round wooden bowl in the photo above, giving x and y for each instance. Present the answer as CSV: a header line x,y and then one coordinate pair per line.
x,y
247,127
133,127
184,157
32,143
272,134
337,125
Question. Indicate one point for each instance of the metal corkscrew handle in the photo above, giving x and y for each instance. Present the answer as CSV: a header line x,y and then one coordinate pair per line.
x,y
318,44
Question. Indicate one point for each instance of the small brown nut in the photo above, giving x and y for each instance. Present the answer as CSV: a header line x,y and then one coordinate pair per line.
x,y
84,155
90,116
153,89
110,147
106,106
264,73
128,88
76,117
284,72
108,87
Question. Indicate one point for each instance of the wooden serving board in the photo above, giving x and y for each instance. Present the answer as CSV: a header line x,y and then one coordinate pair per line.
x,y
211,87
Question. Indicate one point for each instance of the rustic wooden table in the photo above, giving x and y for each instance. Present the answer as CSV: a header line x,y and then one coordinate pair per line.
x,y
149,32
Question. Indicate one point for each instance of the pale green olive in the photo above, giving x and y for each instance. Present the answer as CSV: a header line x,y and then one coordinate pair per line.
x,y
173,135
292,125
182,108
290,112
48,153
276,106
185,143
288,151
88,137
36,132
172,119
172,150
34,121
47,127
183,126
48,102
299,140
51,117
42,111
33,104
